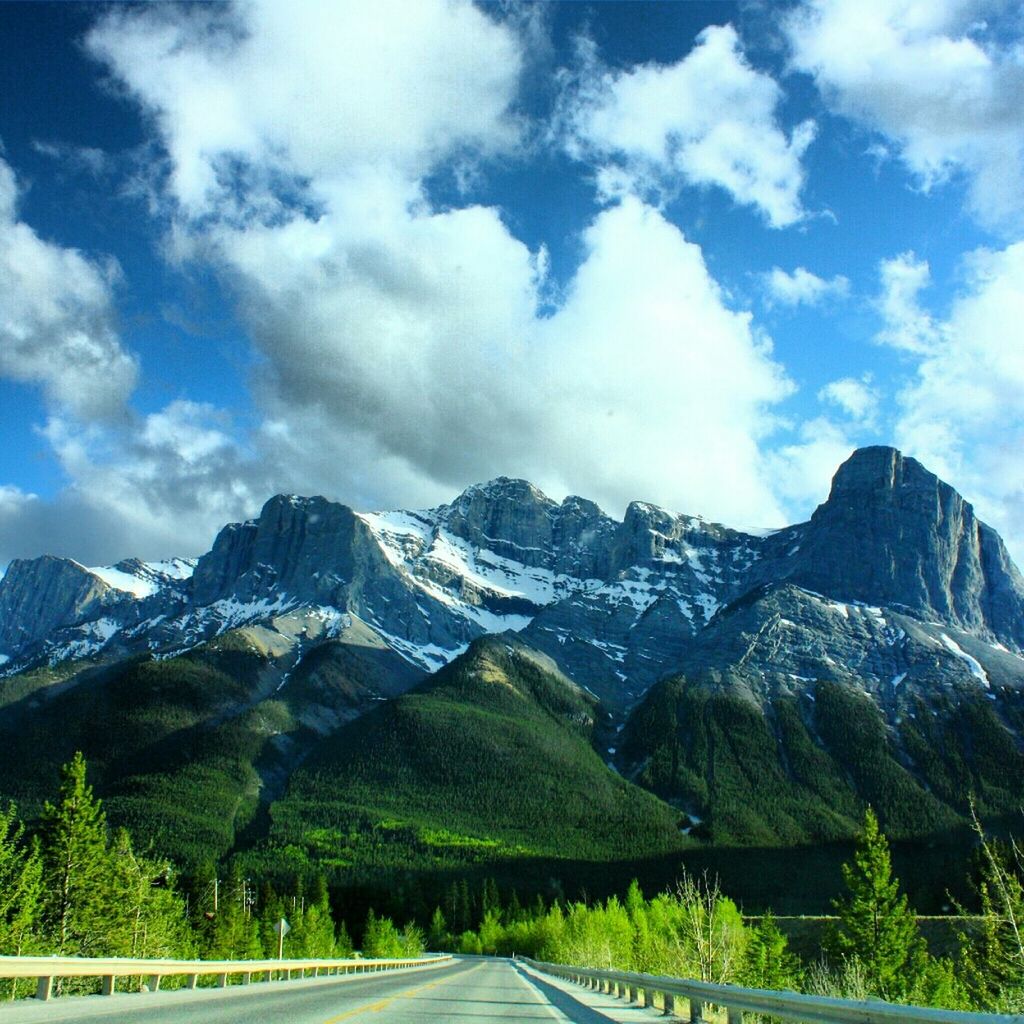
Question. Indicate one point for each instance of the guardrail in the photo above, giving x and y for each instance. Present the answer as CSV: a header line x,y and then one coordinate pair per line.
x,y
642,988
46,968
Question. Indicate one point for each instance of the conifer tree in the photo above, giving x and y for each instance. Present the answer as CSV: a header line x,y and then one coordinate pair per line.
x,y
876,926
438,938
75,865
769,962
20,887
993,948
343,946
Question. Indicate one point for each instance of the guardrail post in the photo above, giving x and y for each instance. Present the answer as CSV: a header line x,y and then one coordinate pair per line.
x,y
247,978
109,981
735,1015
191,980
44,988
645,997
670,1003
153,985
696,1012
222,980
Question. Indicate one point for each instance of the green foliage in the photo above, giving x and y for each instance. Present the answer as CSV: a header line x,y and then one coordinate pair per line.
x,y
993,947
381,940
769,963
439,939
802,772
876,926
412,784
75,864
21,871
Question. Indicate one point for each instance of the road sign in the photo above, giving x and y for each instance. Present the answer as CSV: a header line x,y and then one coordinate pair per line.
x,y
282,928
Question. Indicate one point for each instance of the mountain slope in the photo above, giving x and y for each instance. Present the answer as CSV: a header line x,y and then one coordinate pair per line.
x,y
794,711
255,696
487,760
186,750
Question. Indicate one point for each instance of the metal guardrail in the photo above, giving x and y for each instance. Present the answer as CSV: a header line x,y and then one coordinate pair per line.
x,y
642,988
46,968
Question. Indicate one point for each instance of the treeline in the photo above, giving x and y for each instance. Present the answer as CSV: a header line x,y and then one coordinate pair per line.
x,y
874,948
76,888
73,887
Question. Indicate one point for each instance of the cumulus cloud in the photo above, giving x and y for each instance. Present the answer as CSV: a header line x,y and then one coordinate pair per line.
x,y
963,412
57,318
857,398
255,101
409,349
709,119
941,82
803,470
802,287
150,486
906,324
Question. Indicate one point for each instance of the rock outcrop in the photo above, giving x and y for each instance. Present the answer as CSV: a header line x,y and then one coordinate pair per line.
x,y
616,605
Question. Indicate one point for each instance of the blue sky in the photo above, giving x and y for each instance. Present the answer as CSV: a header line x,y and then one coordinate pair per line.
x,y
689,253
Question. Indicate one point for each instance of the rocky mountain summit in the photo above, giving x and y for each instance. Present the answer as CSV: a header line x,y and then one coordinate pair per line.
x,y
761,687
893,577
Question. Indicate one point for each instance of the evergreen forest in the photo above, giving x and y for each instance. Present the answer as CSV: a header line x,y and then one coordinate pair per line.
x,y
72,885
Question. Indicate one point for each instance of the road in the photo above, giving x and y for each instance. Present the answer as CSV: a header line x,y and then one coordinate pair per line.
x,y
464,992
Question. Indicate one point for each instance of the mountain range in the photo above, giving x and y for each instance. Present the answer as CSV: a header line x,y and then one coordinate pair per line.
x,y
507,677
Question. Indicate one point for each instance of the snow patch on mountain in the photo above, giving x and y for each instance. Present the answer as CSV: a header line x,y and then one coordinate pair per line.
x,y
972,663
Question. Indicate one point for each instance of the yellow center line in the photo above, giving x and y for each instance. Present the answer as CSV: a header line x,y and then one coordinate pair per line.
x,y
383,1004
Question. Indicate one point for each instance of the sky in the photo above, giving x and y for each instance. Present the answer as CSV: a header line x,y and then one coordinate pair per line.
x,y
687,253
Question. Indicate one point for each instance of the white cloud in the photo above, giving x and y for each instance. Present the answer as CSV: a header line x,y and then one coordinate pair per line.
x,y
253,101
428,347
936,78
963,414
709,119
803,288
404,354
803,471
57,318
906,324
857,398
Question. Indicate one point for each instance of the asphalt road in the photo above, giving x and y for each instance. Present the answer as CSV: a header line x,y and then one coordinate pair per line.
x,y
465,992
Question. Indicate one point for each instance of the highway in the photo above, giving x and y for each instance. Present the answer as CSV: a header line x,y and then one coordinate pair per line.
x,y
464,992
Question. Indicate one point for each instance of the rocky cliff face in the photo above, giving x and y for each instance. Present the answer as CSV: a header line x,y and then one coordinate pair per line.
x,y
892,533
40,595
616,605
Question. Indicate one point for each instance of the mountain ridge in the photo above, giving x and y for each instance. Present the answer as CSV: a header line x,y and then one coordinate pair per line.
x,y
616,601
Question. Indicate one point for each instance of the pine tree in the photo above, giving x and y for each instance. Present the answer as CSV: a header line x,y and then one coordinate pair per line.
x,y
993,948
438,938
75,865
876,926
20,887
769,963
343,947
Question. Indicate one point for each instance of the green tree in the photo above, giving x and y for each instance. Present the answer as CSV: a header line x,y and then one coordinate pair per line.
x,y
769,962
412,941
707,937
876,926
75,865
993,949
381,940
146,916
438,938
20,887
